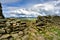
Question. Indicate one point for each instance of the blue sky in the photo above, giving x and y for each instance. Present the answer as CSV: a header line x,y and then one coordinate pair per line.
x,y
9,5
22,3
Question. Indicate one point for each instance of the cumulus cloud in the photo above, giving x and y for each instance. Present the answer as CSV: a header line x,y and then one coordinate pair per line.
x,y
45,6
43,9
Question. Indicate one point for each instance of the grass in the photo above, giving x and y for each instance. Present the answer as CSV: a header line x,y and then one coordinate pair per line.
x,y
50,31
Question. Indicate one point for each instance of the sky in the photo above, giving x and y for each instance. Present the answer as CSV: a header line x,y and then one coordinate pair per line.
x,y
11,5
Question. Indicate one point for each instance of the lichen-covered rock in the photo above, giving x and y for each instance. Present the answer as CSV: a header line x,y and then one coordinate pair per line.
x,y
20,33
11,38
4,39
7,24
25,37
8,30
5,36
2,31
40,38
14,35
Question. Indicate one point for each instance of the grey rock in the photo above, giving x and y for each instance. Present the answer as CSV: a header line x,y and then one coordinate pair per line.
x,y
20,33
4,39
2,31
7,24
8,30
11,38
5,36
0,35
25,37
14,35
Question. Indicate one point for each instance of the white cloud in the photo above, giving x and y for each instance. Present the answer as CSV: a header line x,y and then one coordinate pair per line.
x,y
38,9
57,12
45,6
13,15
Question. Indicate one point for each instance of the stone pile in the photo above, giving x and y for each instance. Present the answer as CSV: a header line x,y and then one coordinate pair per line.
x,y
18,30
11,28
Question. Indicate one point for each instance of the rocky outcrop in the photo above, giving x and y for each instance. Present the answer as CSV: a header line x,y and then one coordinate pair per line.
x,y
16,29
1,14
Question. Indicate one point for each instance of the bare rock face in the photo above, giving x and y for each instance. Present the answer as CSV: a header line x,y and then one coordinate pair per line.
x,y
1,15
